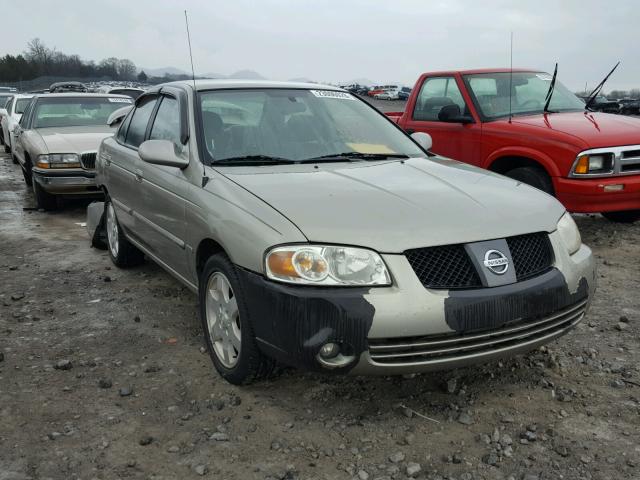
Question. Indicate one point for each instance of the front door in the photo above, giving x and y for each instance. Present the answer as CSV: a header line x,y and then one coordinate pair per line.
x,y
460,141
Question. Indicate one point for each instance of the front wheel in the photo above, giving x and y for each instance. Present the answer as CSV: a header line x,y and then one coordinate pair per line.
x,y
122,252
536,177
26,172
227,328
44,200
623,216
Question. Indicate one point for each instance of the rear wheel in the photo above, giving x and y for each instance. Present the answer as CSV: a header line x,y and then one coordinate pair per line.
x,y
227,327
536,177
44,200
623,216
122,252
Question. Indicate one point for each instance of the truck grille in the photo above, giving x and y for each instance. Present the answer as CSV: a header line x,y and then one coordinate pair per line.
x,y
436,349
88,160
449,266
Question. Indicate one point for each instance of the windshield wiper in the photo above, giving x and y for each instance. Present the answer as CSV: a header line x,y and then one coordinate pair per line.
x,y
597,90
356,156
256,160
547,99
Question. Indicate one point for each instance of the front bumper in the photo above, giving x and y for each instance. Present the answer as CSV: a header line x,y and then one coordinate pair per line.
x,y
406,328
589,195
75,183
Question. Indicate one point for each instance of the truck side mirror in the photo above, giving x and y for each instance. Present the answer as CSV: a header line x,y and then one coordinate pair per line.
x,y
452,114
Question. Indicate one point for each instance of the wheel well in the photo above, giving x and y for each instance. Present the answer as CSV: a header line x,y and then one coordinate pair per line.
x,y
206,249
504,164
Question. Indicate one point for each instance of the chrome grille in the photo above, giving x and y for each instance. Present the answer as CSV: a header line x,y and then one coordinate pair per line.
x,y
442,348
88,160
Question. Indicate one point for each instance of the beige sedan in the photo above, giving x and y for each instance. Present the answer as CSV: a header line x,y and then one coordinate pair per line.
x,y
57,140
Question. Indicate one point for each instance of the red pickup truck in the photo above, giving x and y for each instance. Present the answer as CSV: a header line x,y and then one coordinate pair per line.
x,y
496,119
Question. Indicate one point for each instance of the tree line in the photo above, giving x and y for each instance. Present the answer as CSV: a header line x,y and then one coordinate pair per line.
x,y
39,60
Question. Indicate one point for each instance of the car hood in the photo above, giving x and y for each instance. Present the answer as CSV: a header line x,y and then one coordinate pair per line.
x,y
394,206
595,129
74,139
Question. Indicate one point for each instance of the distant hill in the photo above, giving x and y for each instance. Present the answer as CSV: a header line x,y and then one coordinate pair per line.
x,y
173,71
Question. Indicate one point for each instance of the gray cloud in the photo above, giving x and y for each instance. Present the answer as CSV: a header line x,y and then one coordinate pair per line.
x,y
330,40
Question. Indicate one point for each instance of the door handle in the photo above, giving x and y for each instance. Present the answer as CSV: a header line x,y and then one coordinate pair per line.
x,y
138,174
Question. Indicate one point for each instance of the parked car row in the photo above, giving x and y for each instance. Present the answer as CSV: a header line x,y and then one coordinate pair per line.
x,y
317,232
381,92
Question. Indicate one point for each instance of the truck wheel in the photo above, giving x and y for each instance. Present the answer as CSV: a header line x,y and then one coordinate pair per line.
x,y
536,177
227,327
44,200
122,252
623,216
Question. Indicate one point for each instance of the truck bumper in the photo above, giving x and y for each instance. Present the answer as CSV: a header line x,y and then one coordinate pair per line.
x,y
596,195
67,183
406,328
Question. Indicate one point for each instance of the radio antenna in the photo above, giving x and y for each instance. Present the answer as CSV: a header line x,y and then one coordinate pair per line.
x,y
511,79
193,72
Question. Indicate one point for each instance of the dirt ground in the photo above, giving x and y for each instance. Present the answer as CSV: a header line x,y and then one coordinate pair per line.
x,y
103,375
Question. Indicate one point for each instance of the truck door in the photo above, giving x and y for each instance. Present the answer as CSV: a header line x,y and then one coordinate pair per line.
x,y
457,140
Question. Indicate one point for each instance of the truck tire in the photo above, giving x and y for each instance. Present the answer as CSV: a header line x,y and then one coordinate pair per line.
x,y
227,326
622,216
122,252
536,177
44,200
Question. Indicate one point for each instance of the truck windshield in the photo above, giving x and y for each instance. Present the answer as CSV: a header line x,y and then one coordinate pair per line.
x,y
297,125
529,89
66,111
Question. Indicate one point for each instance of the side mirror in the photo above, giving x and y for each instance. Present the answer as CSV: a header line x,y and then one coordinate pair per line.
x,y
118,115
423,139
3,111
161,152
452,114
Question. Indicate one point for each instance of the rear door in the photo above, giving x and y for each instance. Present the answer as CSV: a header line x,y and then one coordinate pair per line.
x,y
459,141
160,209
122,170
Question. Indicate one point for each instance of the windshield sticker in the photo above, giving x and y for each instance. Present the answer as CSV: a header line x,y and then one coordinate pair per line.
x,y
332,94
120,100
544,76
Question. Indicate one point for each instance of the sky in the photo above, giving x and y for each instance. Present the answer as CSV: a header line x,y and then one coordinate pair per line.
x,y
337,41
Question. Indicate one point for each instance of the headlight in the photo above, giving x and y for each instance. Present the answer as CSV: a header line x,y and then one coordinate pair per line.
x,y
592,164
326,265
569,233
58,160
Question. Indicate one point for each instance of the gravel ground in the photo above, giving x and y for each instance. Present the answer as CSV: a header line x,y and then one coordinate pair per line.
x,y
103,375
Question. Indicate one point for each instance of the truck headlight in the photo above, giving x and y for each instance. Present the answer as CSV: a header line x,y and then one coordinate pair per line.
x,y
600,163
569,233
326,265
58,160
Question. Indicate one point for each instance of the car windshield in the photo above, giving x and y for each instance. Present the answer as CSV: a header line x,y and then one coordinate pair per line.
x,y
76,111
296,125
21,104
491,92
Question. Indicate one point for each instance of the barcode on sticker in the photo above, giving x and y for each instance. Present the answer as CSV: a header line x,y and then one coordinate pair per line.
x,y
120,100
332,94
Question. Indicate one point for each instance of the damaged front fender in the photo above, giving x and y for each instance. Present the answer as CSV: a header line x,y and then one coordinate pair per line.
x,y
96,225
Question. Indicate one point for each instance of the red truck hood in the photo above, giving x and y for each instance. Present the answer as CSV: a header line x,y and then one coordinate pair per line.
x,y
595,129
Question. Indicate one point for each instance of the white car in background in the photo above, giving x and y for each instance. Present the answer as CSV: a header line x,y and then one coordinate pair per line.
x,y
14,108
391,92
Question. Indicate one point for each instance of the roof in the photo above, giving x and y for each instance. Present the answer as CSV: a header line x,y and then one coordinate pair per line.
x,y
232,84
24,95
486,70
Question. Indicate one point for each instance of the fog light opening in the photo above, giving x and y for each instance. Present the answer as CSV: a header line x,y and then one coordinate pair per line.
x,y
335,355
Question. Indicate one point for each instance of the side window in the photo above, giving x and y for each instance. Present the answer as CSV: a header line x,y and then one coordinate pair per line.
x,y
166,125
124,126
10,104
139,122
24,120
436,93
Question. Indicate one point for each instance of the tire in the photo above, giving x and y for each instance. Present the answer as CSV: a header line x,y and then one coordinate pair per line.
x,y
622,216
7,148
44,200
231,343
26,173
122,252
536,177
15,159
